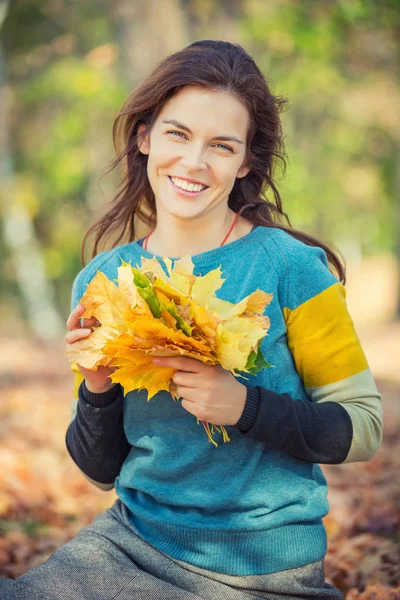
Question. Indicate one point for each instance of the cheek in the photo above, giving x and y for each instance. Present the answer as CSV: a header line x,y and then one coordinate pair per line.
x,y
228,176
162,156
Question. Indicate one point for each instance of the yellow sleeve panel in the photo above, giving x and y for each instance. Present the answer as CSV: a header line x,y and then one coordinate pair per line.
x,y
78,379
322,338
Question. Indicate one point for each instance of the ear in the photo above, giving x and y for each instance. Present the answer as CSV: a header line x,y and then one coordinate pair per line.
x,y
243,171
143,140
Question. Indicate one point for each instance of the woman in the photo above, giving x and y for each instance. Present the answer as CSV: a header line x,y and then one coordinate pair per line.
x,y
201,137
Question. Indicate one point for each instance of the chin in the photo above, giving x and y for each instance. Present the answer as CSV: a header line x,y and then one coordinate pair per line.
x,y
184,212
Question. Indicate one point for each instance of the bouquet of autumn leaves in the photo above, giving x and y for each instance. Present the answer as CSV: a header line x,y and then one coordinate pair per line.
x,y
151,314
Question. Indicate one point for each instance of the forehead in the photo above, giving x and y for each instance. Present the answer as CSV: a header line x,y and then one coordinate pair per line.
x,y
213,112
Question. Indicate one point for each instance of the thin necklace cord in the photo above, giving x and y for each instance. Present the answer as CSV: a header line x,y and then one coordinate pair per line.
x,y
224,240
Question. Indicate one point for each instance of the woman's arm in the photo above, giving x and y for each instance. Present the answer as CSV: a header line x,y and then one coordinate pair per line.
x,y
343,423
319,433
95,438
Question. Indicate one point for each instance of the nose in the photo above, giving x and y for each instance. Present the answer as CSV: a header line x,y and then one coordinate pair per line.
x,y
193,159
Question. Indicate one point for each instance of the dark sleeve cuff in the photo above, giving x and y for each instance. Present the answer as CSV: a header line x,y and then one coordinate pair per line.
x,y
95,438
250,411
315,432
99,400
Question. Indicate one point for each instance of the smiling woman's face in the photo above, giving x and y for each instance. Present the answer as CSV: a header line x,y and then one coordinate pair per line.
x,y
193,145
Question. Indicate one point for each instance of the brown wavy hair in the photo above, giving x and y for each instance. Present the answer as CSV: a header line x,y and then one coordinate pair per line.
x,y
219,66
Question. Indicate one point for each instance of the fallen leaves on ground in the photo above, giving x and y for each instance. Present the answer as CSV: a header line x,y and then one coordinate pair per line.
x,y
45,500
363,523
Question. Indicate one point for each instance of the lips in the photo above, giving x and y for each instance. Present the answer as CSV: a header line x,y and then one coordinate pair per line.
x,y
186,192
188,180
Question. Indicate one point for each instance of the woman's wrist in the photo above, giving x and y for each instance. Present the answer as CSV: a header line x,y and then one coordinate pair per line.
x,y
99,399
103,390
250,411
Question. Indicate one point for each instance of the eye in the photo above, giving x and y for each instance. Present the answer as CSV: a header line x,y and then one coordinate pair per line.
x,y
177,132
226,147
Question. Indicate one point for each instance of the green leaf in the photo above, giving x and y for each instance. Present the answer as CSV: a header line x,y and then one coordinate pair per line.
x,y
145,289
180,323
256,362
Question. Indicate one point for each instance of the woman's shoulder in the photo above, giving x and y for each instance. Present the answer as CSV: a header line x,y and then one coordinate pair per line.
x,y
107,261
302,267
289,251
96,263
283,237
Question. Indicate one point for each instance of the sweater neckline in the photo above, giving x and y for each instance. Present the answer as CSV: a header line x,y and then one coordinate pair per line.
x,y
256,233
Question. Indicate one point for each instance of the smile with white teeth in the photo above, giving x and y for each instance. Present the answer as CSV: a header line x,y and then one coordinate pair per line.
x,y
189,187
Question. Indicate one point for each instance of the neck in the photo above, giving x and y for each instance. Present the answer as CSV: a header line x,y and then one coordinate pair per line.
x,y
176,237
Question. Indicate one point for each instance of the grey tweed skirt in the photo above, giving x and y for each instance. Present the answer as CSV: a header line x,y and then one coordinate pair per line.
x,y
107,560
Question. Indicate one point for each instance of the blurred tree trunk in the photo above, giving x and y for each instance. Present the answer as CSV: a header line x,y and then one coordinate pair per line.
x,y
396,203
148,30
19,234
396,217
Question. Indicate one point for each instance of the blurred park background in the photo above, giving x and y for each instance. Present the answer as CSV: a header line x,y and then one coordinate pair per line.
x,y
65,70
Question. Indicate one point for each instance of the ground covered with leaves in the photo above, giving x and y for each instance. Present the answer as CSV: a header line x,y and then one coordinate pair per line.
x,y
45,500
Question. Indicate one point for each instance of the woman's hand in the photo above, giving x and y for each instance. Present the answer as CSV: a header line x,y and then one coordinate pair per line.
x,y
209,392
96,381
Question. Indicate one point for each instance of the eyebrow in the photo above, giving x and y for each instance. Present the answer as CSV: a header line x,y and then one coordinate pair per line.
x,y
224,138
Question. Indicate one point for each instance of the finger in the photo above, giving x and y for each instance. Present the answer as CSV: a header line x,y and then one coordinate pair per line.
x,y
77,334
73,319
197,410
184,378
188,394
182,363
189,406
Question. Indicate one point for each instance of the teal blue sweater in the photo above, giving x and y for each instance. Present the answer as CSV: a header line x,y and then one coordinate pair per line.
x,y
252,505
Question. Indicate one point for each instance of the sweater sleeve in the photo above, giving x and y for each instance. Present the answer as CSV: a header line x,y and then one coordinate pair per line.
x,y
95,438
319,433
326,350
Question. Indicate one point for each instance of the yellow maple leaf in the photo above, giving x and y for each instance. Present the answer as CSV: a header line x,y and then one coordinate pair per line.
x,y
136,371
170,292
235,340
129,293
207,322
204,288
103,300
